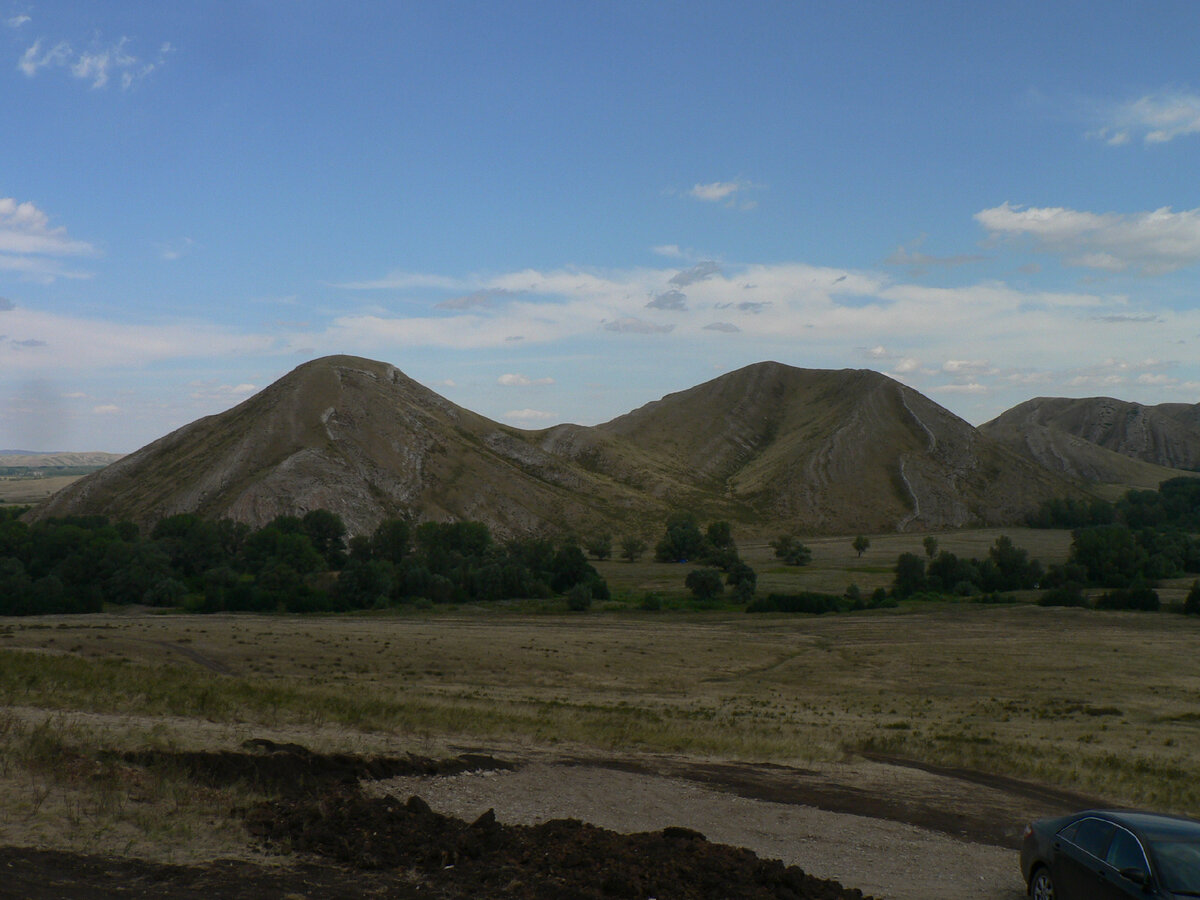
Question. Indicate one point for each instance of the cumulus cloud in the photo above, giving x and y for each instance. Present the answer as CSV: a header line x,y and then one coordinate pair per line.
x,y
672,300
1152,242
1157,117
516,380
97,64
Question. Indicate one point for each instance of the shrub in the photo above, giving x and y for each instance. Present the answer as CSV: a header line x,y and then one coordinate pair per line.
x,y
804,602
1064,595
1140,598
1191,606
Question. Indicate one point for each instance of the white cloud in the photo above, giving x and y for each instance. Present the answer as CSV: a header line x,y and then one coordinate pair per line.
x,y
27,240
96,64
724,192
106,409
1152,242
476,298
715,191
1157,117
669,250
515,380
17,21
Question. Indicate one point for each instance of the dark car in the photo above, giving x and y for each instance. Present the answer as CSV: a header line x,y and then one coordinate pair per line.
x,y
1100,854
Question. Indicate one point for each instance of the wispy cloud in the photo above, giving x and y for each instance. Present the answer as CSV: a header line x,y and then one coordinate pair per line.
x,y
99,63
634,325
1156,118
910,255
30,246
528,415
17,21
1150,243
516,380
699,272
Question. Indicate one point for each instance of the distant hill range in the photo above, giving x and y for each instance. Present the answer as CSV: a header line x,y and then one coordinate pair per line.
x,y
34,460
769,446
1099,439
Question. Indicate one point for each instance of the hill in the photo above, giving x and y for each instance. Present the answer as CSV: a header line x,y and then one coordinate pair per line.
x,y
1102,439
31,460
769,446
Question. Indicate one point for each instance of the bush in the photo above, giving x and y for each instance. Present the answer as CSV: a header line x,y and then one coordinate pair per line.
x,y
1065,595
651,602
579,598
1139,598
804,602
1191,606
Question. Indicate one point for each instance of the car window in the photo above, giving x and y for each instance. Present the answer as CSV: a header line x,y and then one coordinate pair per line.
x,y
1092,835
1125,852
1178,865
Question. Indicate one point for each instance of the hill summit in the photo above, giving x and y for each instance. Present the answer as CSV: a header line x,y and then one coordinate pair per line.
x,y
769,446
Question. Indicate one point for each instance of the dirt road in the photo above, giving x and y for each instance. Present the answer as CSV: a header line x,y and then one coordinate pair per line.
x,y
964,848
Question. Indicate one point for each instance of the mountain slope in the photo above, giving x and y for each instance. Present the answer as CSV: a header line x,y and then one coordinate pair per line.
x,y
769,446
1102,439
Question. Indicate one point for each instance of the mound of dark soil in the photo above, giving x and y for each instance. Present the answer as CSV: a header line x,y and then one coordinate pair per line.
x,y
290,769
562,858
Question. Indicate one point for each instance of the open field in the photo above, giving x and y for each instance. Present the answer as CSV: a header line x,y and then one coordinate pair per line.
x,y
19,491
1100,704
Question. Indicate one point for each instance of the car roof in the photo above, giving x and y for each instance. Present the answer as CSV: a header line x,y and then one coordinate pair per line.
x,y
1153,826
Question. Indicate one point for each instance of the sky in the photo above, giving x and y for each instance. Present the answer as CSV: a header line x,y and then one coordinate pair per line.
x,y
556,212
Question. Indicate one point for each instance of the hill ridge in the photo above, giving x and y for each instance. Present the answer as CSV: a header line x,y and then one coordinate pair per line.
x,y
768,445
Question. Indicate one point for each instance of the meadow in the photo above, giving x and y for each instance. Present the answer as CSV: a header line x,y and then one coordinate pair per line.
x,y
1104,703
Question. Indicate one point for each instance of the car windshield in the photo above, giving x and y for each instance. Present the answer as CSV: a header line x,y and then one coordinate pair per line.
x,y
1179,865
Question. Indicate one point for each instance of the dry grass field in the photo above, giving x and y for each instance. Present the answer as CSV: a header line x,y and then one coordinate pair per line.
x,y
1102,703
22,491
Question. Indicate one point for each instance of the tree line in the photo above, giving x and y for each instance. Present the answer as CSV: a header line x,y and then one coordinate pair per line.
x,y
294,564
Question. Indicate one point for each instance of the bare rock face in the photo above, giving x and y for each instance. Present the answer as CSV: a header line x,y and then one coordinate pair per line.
x,y
769,446
1077,436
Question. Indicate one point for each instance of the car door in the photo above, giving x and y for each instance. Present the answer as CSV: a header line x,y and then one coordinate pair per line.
x,y
1124,853
1079,853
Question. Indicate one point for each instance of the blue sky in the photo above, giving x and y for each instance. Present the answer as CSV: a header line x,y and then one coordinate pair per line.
x,y
555,212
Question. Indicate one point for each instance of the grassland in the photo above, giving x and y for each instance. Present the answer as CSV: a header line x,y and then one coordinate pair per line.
x,y
1104,703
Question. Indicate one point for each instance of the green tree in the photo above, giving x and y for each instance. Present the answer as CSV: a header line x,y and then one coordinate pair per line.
x,y
682,541
327,533
600,545
931,546
632,548
791,551
910,575
705,584
861,543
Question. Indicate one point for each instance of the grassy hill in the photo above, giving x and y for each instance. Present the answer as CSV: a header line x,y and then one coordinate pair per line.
x,y
768,446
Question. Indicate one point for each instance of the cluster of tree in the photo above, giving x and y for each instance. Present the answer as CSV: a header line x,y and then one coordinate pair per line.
x,y
1006,568
715,550
293,563
1176,504
1116,556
